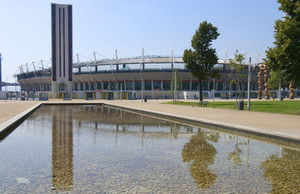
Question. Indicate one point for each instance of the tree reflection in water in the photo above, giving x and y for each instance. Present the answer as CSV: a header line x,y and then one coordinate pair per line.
x,y
201,154
283,171
235,156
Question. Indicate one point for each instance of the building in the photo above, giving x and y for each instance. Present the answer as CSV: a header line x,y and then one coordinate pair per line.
x,y
138,77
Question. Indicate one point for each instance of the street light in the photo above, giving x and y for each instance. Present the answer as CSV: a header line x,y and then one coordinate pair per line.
x,y
175,88
249,79
6,88
121,96
214,80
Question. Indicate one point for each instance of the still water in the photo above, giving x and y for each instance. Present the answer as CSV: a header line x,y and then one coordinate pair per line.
x,y
93,148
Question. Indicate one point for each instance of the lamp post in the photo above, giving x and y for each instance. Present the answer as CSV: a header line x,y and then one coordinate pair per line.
x,y
6,88
121,96
16,92
249,79
214,83
175,85
142,89
5,91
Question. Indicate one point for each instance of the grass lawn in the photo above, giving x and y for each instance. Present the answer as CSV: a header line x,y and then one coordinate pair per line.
x,y
291,107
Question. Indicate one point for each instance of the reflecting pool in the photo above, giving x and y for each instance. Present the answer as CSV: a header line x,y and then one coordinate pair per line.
x,y
93,148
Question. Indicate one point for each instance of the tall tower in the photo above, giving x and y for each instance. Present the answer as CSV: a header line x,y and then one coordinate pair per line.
x,y
62,49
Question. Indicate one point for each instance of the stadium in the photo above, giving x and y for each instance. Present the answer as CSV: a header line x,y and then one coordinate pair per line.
x,y
146,76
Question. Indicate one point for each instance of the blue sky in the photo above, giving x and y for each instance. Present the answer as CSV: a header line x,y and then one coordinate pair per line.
x,y
158,26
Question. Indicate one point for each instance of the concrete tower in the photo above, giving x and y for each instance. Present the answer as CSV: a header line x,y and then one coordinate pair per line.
x,y
62,49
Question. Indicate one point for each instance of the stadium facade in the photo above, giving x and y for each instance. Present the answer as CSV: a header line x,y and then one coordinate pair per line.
x,y
136,78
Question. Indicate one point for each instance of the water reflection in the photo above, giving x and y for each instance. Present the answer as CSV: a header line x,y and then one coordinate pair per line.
x,y
105,119
283,171
236,155
201,155
88,149
62,148
176,128
98,119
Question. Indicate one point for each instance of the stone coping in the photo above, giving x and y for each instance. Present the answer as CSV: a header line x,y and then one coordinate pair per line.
x,y
7,126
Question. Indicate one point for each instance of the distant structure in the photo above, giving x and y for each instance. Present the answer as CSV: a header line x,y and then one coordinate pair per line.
x,y
62,49
0,73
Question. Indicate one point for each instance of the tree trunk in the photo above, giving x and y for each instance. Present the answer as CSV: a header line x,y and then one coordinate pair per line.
x,y
200,91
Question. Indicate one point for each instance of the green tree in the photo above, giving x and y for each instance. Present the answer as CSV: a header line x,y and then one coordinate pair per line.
x,y
236,63
285,55
277,78
202,59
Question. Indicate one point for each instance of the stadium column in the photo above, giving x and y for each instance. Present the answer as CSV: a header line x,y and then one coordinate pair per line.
x,y
152,85
133,84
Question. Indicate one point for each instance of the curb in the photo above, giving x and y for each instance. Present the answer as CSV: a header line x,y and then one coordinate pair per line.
x,y
8,126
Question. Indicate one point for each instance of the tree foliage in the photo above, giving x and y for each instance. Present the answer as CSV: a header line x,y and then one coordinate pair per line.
x,y
285,56
236,63
201,59
277,77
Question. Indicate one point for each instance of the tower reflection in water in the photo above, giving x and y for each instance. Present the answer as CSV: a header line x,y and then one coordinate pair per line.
x,y
62,148
67,120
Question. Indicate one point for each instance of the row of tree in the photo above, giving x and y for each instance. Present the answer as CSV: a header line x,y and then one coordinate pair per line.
x,y
283,59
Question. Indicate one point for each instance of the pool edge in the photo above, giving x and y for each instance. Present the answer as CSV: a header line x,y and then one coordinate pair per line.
x,y
7,126
215,124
